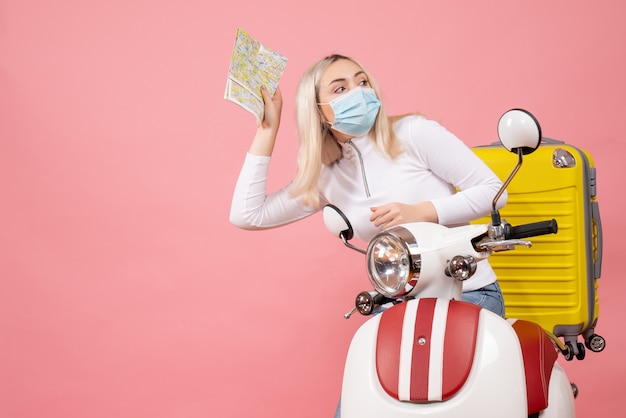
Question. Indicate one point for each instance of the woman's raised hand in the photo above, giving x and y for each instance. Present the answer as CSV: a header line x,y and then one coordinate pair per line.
x,y
263,143
273,108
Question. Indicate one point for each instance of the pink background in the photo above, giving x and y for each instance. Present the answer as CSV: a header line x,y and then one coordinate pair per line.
x,y
125,290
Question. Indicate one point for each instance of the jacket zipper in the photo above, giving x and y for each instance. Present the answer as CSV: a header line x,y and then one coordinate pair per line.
x,y
360,157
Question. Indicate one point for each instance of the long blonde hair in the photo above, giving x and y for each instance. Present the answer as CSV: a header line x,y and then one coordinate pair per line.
x,y
317,144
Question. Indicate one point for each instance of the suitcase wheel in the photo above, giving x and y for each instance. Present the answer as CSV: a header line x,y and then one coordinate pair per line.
x,y
581,351
569,352
595,343
573,349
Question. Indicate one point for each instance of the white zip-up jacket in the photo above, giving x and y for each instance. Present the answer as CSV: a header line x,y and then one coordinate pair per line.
x,y
435,166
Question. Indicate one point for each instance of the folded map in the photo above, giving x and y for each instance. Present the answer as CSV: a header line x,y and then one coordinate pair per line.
x,y
252,65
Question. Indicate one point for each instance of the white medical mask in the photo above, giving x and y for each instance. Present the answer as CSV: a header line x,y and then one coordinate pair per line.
x,y
355,112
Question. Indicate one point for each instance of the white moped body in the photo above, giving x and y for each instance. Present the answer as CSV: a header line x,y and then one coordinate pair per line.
x,y
431,354
441,357
492,379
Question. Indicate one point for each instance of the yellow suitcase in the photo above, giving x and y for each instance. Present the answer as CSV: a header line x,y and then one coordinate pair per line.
x,y
554,283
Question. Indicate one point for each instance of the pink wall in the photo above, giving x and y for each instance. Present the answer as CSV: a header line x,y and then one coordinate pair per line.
x,y
126,292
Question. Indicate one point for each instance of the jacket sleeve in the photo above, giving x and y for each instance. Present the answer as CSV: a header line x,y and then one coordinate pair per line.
x,y
253,209
454,162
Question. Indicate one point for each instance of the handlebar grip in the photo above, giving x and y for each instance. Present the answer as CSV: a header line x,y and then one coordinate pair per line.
x,y
531,230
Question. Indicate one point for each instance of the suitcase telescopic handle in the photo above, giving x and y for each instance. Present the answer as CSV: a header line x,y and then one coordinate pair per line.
x,y
531,230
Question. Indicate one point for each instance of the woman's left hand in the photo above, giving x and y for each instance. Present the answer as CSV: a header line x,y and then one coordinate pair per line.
x,y
395,213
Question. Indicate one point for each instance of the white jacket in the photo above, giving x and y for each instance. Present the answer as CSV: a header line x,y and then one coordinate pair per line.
x,y
434,166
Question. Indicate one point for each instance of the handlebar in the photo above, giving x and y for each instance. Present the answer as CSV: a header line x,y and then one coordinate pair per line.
x,y
531,230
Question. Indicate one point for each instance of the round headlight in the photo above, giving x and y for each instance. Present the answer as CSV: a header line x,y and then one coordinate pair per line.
x,y
388,264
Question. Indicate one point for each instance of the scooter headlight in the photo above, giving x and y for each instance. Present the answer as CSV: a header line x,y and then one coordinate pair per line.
x,y
389,263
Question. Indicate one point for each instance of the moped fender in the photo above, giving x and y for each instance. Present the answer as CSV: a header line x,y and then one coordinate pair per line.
x,y
494,387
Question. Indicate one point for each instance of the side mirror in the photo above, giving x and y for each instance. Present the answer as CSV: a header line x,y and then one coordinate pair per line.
x,y
339,225
519,131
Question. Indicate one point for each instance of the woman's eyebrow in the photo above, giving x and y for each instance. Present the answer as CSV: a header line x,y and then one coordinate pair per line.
x,y
358,73
336,80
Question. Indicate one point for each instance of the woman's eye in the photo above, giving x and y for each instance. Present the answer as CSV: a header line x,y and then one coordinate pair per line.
x,y
364,83
340,89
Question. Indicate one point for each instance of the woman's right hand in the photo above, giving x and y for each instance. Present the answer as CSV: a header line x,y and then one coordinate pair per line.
x,y
273,108
265,137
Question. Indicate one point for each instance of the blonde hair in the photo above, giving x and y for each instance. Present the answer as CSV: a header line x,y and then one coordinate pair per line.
x,y
317,144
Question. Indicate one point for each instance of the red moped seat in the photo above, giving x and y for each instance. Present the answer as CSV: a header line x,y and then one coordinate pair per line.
x,y
539,355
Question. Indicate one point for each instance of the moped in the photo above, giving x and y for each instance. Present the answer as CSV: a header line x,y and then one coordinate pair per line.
x,y
431,354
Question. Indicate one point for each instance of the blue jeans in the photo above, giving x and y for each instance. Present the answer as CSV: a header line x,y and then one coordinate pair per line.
x,y
488,297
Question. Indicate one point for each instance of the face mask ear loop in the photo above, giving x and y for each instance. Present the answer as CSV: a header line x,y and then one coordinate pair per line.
x,y
323,122
325,125
325,129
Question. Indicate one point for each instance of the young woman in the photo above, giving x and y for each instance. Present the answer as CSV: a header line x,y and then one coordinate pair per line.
x,y
380,171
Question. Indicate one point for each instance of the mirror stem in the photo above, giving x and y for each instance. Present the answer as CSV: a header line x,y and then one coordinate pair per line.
x,y
347,244
495,215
